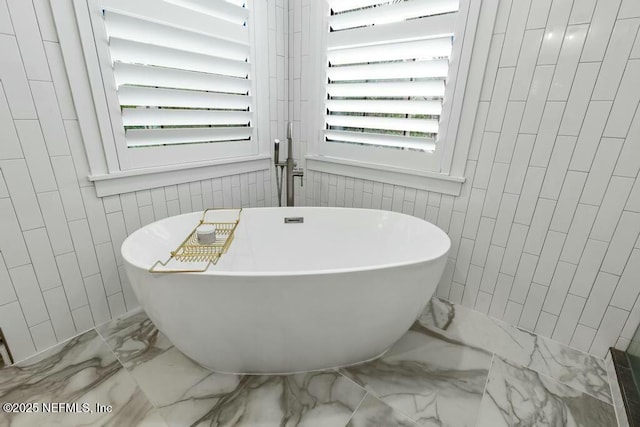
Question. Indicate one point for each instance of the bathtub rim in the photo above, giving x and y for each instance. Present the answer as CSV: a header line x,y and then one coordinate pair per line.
x,y
210,272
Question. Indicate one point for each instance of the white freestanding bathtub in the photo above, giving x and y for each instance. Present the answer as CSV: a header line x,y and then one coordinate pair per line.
x,y
336,290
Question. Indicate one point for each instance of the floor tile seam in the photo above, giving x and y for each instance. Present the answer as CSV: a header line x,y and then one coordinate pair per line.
x,y
129,374
375,394
357,407
548,377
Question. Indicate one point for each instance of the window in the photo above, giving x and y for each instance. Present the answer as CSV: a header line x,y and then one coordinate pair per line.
x,y
173,83
395,74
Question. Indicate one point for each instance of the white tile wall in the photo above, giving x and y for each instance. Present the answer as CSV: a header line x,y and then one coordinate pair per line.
x,y
545,232
60,266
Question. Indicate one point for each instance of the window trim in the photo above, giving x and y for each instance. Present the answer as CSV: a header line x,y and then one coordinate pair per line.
x,y
80,55
445,169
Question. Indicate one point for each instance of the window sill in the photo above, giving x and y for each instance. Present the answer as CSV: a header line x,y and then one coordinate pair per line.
x,y
422,180
144,179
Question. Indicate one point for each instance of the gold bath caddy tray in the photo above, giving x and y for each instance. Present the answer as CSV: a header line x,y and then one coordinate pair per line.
x,y
192,251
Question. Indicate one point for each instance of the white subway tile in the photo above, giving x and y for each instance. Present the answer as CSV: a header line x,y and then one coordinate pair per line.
x,y
509,132
472,286
483,240
50,117
445,211
538,14
76,145
502,16
551,44
578,233
17,331
567,62
588,268
36,155
626,102
472,218
500,296
14,80
524,276
483,302
130,212
25,25
129,296
116,305
5,20
60,80
568,319
532,307
514,249
519,162
97,299
515,31
42,258
633,204
627,291
455,295
81,236
461,202
590,135
625,236
558,165
108,268
629,9
82,318
68,187
4,191
455,232
546,324
579,99
598,179
512,313
421,201
118,232
611,209
16,176
444,286
56,222
485,160
112,203
600,30
505,219
95,215
568,200
598,300
631,325
526,64
615,59
537,99
59,312
498,106
463,261
539,226
547,134
492,269
582,338
478,130
43,335
12,244
582,12
7,293
29,294
628,164
609,331
529,196
635,50
559,287
147,216
495,190
10,147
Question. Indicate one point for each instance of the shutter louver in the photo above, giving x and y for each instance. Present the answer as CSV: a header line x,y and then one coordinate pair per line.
x,y
181,69
387,66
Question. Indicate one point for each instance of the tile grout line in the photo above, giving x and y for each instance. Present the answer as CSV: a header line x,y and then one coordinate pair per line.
x,y
357,406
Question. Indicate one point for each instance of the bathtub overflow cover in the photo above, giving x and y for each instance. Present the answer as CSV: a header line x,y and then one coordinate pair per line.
x,y
294,220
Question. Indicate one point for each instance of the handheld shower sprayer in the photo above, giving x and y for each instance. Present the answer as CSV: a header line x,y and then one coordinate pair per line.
x,y
290,164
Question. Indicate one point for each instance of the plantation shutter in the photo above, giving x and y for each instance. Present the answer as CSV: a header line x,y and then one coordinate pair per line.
x,y
387,66
181,69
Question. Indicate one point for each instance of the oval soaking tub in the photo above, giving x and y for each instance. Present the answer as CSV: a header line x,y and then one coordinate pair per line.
x,y
338,289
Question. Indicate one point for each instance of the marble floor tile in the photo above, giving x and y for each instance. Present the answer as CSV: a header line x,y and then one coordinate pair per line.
x,y
373,412
81,370
186,394
517,396
434,382
569,366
